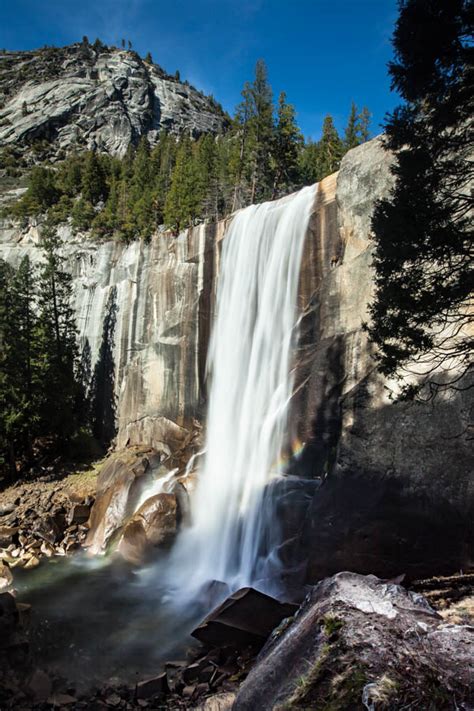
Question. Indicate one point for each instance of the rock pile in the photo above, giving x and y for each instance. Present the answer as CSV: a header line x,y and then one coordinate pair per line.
x,y
42,521
357,642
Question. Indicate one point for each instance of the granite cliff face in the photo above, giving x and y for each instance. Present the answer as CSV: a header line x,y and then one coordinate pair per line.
x,y
396,492
144,314
87,97
380,486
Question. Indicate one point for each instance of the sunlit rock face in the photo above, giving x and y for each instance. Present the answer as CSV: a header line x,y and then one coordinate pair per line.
x,y
80,97
153,525
122,480
144,313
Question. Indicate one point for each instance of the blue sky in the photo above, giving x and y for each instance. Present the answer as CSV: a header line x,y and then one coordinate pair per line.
x,y
323,53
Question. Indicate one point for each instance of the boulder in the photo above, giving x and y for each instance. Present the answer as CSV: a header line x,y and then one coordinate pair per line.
x,y
79,513
7,509
121,481
153,525
218,702
246,618
151,687
7,535
6,577
40,685
9,618
360,642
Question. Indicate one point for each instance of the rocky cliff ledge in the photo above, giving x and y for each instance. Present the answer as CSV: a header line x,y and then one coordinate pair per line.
x,y
95,97
380,487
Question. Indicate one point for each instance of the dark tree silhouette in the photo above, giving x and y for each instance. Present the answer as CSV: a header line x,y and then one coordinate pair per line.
x,y
421,313
102,390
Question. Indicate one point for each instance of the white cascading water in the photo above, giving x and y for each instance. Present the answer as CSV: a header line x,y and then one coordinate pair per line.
x,y
232,537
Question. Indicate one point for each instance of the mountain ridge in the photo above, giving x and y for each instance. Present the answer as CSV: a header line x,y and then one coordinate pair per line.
x,y
94,97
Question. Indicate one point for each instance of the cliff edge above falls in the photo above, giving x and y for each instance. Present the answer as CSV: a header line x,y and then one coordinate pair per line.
x,y
95,97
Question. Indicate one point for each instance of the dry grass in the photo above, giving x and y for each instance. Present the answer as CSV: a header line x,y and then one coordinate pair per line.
x,y
460,613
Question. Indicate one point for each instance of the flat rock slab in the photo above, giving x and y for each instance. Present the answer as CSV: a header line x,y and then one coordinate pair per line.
x,y
246,617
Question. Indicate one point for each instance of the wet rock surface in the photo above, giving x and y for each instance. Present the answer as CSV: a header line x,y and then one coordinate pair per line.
x,y
121,481
142,498
154,525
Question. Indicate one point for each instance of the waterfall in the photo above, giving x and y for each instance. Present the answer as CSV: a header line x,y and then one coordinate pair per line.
x,y
233,535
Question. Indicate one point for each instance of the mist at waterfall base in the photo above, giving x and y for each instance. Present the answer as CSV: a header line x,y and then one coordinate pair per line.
x,y
99,618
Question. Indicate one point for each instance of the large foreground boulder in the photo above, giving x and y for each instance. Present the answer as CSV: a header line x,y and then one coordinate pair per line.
x,y
361,643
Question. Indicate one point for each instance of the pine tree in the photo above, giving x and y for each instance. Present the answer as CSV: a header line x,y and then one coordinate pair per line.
x,y
42,191
8,373
225,155
330,149
149,58
94,186
141,168
106,221
286,146
309,163
83,215
243,147
207,162
351,133
23,307
422,310
57,362
184,200
69,176
363,124
262,124
168,154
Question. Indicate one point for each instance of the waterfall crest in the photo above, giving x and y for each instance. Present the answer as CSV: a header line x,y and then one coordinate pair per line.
x,y
232,537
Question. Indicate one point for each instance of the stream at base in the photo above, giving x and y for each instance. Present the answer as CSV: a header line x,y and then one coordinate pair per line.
x,y
96,620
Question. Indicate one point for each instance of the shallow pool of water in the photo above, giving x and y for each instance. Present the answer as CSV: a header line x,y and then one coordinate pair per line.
x,y
96,620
